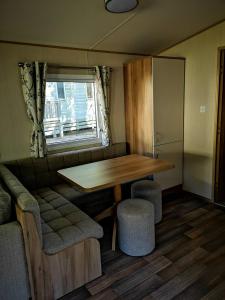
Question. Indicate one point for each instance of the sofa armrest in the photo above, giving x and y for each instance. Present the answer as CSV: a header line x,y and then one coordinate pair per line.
x,y
14,277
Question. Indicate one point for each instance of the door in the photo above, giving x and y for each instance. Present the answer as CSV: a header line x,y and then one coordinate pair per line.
x,y
172,152
168,100
219,185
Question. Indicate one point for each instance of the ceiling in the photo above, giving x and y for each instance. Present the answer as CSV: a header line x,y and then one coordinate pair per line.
x,y
152,27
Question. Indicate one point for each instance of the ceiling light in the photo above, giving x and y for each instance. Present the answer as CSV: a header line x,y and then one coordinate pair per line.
x,y
120,6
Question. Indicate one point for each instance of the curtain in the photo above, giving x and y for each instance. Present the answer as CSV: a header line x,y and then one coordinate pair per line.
x,y
103,99
33,77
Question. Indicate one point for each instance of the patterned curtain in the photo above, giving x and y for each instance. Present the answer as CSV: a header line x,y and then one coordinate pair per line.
x,y
103,98
33,76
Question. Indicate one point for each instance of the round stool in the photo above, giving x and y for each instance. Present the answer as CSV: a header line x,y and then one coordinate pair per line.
x,y
151,191
136,228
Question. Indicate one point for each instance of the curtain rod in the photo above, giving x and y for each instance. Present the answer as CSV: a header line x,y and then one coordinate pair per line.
x,y
67,67
63,67
71,67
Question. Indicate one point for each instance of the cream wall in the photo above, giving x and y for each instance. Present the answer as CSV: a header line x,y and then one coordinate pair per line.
x,y
201,53
15,126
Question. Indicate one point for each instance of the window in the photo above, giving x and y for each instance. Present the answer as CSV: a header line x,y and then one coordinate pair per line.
x,y
60,90
71,111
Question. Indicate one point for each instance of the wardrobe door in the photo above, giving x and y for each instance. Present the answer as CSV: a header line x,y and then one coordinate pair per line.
x,y
168,100
172,152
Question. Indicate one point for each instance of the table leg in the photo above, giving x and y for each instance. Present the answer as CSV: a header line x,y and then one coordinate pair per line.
x,y
117,193
117,198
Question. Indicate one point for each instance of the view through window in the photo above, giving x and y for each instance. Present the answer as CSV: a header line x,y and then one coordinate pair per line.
x,y
70,112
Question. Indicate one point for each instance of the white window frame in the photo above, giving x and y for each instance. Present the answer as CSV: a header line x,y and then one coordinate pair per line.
x,y
84,143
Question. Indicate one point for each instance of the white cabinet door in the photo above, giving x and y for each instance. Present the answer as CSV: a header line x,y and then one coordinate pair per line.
x,y
168,99
174,153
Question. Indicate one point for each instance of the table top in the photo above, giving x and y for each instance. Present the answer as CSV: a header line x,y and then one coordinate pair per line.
x,y
111,172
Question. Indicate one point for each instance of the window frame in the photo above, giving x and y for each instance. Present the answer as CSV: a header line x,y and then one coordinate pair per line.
x,y
84,143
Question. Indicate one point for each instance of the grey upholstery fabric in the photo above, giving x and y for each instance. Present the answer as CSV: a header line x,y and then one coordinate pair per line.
x,y
24,199
151,191
68,191
136,227
5,206
91,203
42,172
60,223
63,224
13,269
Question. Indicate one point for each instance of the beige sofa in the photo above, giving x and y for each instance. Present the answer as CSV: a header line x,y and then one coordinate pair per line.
x,y
61,241
14,282
40,173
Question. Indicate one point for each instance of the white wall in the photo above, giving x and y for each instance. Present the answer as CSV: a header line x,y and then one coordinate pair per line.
x,y
201,53
15,127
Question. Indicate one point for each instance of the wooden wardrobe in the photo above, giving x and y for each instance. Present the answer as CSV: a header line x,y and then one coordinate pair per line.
x,y
154,109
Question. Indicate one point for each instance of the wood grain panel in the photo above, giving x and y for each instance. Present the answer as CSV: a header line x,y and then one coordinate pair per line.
x,y
52,276
33,253
139,105
112,172
178,283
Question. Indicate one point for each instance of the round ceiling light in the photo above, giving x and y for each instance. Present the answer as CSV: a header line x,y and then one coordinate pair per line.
x,y
120,6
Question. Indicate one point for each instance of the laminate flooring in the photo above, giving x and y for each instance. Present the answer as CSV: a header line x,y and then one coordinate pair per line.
x,y
188,261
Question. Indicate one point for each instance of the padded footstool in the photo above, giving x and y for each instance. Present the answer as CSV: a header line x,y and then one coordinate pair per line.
x,y
136,228
151,191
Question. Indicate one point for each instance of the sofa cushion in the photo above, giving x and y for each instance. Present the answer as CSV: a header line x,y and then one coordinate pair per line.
x,y
63,223
5,206
68,191
23,197
91,203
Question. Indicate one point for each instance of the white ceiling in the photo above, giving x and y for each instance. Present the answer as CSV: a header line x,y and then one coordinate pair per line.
x,y
153,26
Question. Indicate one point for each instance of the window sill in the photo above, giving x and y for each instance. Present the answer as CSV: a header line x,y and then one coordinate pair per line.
x,y
78,146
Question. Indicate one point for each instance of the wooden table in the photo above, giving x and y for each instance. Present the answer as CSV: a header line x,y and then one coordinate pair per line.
x,y
112,173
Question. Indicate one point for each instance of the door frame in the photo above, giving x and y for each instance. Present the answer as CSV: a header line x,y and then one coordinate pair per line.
x,y
218,121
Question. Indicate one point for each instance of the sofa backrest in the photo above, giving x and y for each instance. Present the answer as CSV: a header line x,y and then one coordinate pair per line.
x,y
5,205
41,172
23,198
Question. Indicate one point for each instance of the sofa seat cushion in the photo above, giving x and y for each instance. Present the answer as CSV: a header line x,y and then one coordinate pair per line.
x,y
5,205
63,223
91,203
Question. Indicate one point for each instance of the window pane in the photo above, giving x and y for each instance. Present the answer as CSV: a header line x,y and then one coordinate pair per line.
x,y
70,112
89,90
60,89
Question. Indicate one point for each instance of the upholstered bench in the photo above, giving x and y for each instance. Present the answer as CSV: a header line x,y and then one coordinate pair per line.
x,y
63,224
91,203
61,244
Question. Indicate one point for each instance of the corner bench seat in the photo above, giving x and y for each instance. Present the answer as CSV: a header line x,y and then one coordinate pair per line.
x,y
63,224
91,203
61,242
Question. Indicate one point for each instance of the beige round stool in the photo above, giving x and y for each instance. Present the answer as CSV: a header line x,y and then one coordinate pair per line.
x,y
136,227
151,191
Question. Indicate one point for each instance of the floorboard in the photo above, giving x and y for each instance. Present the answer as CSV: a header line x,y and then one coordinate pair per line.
x,y
187,263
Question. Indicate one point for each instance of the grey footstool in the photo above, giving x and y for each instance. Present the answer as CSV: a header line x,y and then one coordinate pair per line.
x,y
151,191
136,227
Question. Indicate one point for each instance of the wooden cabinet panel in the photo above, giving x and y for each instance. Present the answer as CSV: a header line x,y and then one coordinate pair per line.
x,y
138,105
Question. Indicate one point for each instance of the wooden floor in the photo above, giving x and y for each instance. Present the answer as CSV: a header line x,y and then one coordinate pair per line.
x,y
188,261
